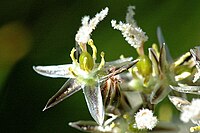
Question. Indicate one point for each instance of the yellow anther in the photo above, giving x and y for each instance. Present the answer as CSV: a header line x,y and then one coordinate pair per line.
x,y
94,49
102,63
126,116
181,59
112,125
74,60
122,56
196,128
155,47
72,72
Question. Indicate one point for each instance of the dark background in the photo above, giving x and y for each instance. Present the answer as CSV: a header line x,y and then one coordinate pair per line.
x,y
41,32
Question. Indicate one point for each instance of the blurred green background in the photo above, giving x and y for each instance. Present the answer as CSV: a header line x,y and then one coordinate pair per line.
x,y
40,32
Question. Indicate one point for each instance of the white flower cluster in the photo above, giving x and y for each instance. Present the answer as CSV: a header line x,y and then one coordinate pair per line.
x,y
191,112
88,25
132,33
145,120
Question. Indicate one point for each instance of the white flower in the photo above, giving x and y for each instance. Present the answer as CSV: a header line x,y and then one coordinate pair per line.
x,y
132,33
84,74
191,112
88,25
145,120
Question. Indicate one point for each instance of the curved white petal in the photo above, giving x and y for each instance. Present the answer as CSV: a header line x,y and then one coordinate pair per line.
x,y
94,102
57,71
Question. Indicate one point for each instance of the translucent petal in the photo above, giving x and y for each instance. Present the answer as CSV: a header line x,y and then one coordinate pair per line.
x,y
178,102
131,97
196,53
94,102
160,36
161,41
155,63
70,87
57,71
158,94
196,56
120,69
187,89
125,67
196,76
162,59
90,126
119,62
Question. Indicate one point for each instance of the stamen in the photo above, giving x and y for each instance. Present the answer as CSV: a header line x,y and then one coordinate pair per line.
x,y
102,63
182,76
155,47
181,59
74,60
94,49
72,72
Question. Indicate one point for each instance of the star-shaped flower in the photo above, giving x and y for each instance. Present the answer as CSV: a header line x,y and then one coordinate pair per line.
x,y
84,74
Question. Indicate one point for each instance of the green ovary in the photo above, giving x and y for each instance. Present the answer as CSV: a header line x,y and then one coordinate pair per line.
x,y
86,61
144,66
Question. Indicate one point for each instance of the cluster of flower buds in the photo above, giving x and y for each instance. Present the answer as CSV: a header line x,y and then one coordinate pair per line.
x,y
121,95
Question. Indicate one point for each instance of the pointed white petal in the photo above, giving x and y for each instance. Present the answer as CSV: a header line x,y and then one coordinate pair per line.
x,y
158,94
178,102
155,62
70,87
163,59
90,126
187,89
119,62
94,102
120,69
57,71
196,56
85,126
161,41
